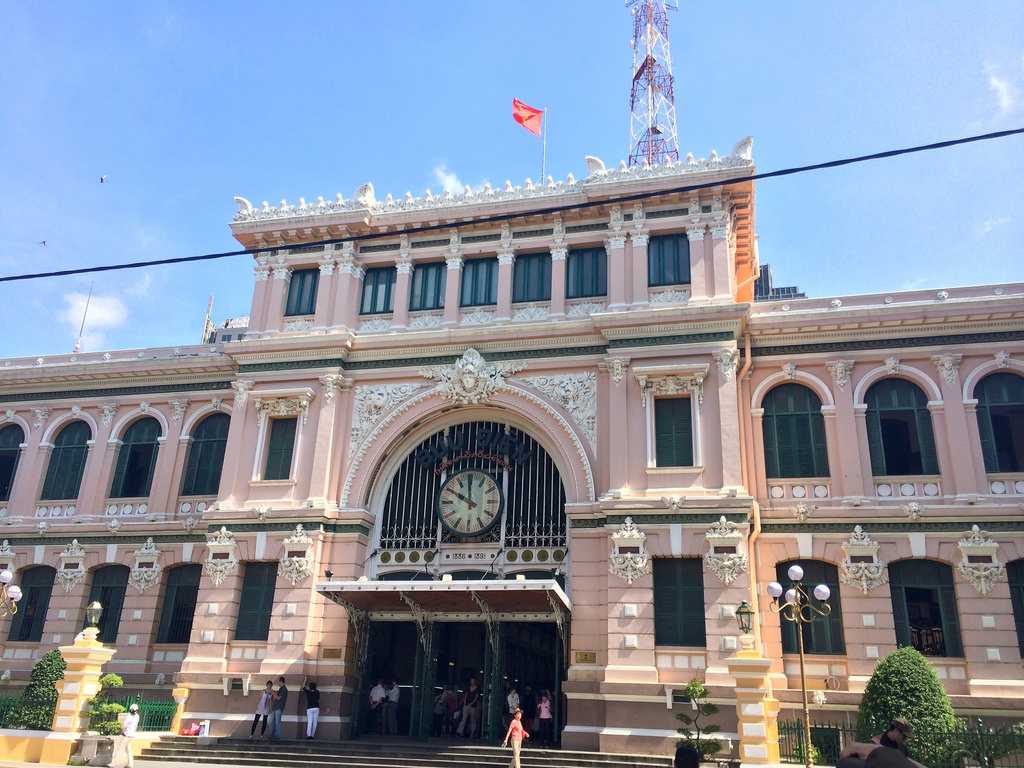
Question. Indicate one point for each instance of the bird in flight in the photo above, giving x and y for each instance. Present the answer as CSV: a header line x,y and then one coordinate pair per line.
x,y
42,243
103,179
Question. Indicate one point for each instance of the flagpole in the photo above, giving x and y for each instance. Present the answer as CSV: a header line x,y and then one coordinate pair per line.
x,y
544,148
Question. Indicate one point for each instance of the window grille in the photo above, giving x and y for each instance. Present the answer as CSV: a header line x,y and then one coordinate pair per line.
x,y
924,607
179,608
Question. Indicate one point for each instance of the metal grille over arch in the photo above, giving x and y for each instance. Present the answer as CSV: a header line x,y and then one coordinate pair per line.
x,y
533,513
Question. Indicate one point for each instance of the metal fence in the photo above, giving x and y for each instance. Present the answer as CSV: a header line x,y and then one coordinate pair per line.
x,y
972,745
154,714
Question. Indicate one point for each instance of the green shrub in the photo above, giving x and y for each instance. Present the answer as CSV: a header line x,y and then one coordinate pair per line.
x,y
905,685
39,699
102,711
693,731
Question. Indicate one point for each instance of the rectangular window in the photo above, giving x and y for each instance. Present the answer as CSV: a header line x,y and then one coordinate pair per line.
x,y
479,283
280,446
531,278
679,601
668,260
302,292
179,607
586,273
378,290
673,432
428,282
256,601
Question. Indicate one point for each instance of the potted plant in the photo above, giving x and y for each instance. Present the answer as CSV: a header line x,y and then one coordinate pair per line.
x,y
97,744
694,731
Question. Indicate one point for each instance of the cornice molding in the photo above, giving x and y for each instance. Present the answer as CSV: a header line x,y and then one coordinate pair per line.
x,y
829,344
143,389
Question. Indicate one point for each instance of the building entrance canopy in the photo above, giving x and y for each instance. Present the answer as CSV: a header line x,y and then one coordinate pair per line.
x,y
492,599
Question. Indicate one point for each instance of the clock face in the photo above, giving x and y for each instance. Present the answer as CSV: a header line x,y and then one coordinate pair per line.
x,y
469,502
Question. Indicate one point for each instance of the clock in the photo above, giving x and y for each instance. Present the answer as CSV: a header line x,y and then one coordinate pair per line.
x,y
469,503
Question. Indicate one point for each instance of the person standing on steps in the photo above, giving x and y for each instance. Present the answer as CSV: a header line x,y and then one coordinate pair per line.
x,y
129,727
277,709
312,708
470,711
515,734
378,694
546,729
391,709
263,711
512,701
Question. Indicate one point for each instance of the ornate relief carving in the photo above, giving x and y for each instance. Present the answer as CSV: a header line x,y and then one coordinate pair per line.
x,y
471,380
298,325
378,325
1002,359
8,415
371,403
331,383
841,371
789,369
146,570
670,385
241,388
802,511
727,360
584,310
426,321
669,297
297,565
724,557
577,394
71,568
860,565
283,406
892,365
629,559
39,417
979,562
913,510
617,369
530,314
480,317
108,411
220,557
948,366
178,408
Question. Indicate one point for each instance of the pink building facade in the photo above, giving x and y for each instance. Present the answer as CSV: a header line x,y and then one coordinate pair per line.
x,y
549,440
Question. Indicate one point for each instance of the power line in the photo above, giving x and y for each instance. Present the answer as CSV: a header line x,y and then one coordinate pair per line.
x,y
499,218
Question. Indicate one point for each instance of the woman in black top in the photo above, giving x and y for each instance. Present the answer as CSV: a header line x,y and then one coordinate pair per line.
x,y
312,708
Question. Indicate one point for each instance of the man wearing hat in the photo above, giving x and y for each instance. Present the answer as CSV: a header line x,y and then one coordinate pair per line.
x,y
894,738
129,727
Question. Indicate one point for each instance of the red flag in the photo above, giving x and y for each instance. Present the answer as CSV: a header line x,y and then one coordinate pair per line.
x,y
528,117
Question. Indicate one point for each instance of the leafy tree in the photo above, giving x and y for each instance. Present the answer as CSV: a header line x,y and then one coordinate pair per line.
x,y
102,711
905,685
693,729
35,708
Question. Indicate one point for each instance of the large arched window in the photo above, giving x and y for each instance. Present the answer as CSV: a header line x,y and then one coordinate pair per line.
x,y
11,438
136,459
108,587
900,429
36,587
1001,421
64,475
824,635
1015,574
794,433
924,607
180,595
206,456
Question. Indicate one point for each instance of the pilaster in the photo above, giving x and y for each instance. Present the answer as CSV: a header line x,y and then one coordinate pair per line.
x,y
324,442
234,478
260,294
729,418
453,279
618,423
558,256
957,431
860,413
698,263
639,241
278,293
506,264
403,284
169,448
98,467
720,256
615,246
847,471
341,309
325,291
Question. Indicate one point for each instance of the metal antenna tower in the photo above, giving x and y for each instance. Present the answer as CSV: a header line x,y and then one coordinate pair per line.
x,y
652,106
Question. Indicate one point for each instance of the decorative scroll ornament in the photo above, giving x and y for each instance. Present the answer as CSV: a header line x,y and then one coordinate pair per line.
x,y
727,359
979,562
673,384
372,402
71,570
860,565
220,556
297,564
724,558
617,368
241,388
284,406
629,557
146,570
840,370
948,366
471,380
577,394
331,383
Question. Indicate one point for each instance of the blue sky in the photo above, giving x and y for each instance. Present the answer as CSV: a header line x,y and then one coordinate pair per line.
x,y
185,105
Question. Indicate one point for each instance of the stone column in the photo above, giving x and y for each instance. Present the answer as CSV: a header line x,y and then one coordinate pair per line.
x,y
957,429
160,495
618,422
639,240
341,308
355,298
32,463
729,417
698,263
848,474
325,296
99,466
616,249
453,280
234,476
757,709
258,311
949,468
971,414
506,264
860,416
558,256
277,294
720,256
323,450
757,425
403,284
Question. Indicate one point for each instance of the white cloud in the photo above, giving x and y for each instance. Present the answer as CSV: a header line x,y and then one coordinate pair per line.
x,y
105,313
1004,91
140,288
449,180
990,224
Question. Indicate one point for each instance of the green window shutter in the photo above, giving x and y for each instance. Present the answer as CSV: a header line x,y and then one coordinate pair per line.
x,y
673,432
205,458
256,601
67,462
479,283
109,584
36,588
926,441
899,607
950,621
179,606
819,445
668,260
280,446
587,273
825,634
875,447
988,441
1015,576
378,287
531,278
771,446
794,433
302,289
11,438
679,602
428,283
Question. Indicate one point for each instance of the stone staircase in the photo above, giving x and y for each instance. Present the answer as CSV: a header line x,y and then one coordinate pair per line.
x,y
373,754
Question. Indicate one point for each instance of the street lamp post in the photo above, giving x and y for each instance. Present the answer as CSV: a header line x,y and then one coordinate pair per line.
x,y
799,608
10,594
